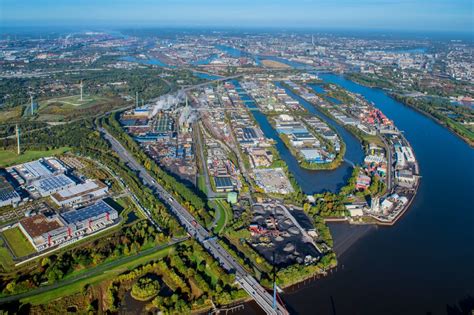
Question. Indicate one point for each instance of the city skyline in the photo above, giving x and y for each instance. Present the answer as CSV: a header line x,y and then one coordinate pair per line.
x,y
418,15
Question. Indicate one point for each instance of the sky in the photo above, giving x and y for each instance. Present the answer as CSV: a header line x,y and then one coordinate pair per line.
x,y
408,15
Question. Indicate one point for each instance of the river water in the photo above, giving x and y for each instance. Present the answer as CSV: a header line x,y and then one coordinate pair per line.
x,y
425,263
310,181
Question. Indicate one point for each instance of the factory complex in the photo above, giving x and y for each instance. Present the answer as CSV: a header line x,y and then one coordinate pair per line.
x,y
48,231
58,205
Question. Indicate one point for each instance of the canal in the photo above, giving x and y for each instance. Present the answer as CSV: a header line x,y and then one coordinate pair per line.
x,y
423,264
310,181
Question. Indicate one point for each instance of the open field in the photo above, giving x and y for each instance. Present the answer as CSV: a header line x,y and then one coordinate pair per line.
x,y
73,101
201,183
71,107
6,260
95,275
18,242
225,215
7,115
274,64
8,158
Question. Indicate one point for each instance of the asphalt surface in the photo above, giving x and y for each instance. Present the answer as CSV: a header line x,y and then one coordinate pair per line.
x,y
246,281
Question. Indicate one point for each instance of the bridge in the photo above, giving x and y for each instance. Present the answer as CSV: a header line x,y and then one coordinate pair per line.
x,y
263,298
349,162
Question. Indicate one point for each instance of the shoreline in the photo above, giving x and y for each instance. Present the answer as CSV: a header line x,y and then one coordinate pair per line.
x,y
391,94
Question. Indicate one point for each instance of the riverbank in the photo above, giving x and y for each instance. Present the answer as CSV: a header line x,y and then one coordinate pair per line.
x,y
404,101
385,260
308,165
399,195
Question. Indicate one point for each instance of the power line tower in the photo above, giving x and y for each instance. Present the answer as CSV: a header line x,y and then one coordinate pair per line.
x,y
32,105
82,86
18,139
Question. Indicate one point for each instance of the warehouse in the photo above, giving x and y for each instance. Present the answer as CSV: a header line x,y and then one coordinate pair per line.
x,y
90,218
43,231
223,184
405,178
81,193
47,231
53,184
8,195
34,170
312,155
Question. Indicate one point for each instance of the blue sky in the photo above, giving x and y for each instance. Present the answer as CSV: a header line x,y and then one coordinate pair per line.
x,y
433,15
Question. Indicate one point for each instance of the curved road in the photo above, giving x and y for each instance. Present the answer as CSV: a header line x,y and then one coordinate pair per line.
x,y
246,281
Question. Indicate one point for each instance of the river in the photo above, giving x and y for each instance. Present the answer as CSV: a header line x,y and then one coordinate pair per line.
x,y
423,264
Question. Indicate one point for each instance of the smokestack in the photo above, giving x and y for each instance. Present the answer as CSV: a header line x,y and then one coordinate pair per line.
x,y
18,139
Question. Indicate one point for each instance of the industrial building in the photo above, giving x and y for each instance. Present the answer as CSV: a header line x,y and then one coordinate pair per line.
x,y
8,194
52,184
43,231
80,193
93,217
312,155
47,231
38,169
223,183
363,182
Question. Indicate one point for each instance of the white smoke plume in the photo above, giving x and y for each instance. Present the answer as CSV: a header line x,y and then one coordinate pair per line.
x,y
188,115
166,102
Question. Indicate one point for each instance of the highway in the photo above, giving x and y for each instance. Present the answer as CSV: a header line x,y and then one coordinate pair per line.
x,y
246,281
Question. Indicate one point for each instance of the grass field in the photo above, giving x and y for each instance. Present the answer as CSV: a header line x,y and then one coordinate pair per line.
x,y
202,184
7,115
18,242
225,215
71,107
8,158
73,101
102,274
6,259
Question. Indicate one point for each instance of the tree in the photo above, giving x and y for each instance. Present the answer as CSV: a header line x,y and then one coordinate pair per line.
x,y
145,288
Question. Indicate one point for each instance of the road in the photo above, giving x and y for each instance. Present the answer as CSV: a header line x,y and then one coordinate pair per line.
x,y
89,273
246,281
210,193
185,89
47,73
390,154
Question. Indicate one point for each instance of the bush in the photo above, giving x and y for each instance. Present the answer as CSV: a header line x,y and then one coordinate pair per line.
x,y
145,288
